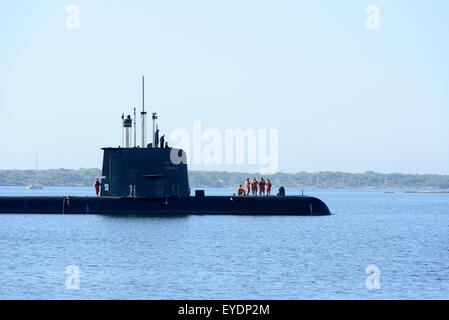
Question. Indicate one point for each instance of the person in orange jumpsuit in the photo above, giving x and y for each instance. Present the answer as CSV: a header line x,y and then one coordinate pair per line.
x,y
254,186
97,185
247,183
261,186
240,190
268,187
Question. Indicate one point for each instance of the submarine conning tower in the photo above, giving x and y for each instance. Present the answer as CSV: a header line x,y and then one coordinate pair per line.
x,y
145,171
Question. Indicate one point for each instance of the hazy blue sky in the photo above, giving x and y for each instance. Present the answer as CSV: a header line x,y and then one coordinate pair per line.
x,y
343,97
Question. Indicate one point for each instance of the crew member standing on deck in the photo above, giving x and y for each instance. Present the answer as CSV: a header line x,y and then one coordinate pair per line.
x,y
268,187
97,185
247,183
261,186
254,186
163,141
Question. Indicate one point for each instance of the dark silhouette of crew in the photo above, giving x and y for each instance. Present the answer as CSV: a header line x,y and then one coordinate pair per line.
x,y
163,141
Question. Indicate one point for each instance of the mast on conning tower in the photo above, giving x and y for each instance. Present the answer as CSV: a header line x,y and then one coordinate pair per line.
x,y
127,124
154,129
143,113
135,129
123,129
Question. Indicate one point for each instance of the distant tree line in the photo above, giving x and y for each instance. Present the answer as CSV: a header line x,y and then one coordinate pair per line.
x,y
51,177
327,179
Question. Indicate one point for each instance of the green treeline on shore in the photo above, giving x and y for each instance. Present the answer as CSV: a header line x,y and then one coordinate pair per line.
x,y
327,179
51,177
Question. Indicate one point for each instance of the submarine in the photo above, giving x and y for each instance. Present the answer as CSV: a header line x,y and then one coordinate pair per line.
x,y
152,179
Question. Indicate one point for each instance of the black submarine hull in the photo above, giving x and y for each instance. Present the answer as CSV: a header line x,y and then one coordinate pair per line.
x,y
207,205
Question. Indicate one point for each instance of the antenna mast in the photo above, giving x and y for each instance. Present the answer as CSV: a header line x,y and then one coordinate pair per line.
x,y
135,129
127,123
143,113
123,129
154,129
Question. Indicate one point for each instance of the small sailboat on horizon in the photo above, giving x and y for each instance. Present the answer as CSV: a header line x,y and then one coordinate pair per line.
x,y
34,186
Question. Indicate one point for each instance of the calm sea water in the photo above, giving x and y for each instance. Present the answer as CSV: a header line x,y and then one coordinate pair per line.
x,y
406,236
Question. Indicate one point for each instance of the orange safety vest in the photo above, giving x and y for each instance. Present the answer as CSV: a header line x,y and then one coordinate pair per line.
x,y
247,186
240,191
254,184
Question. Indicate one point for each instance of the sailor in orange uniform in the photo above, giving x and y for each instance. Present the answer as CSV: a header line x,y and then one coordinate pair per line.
x,y
240,190
97,185
261,186
254,186
247,183
268,187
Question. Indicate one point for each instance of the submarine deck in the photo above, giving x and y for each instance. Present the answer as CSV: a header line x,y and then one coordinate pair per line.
x,y
192,205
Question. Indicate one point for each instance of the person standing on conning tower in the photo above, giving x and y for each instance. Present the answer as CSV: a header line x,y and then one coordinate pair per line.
x,y
163,141
156,138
